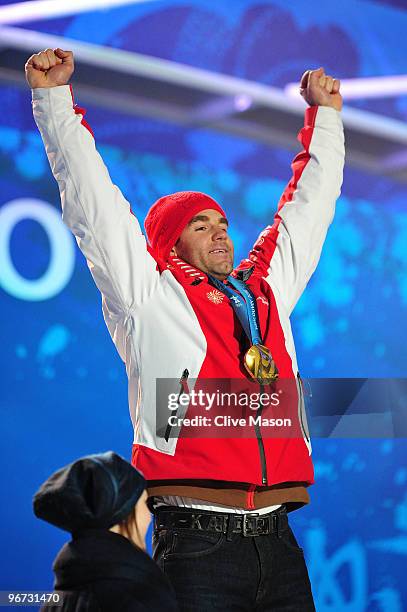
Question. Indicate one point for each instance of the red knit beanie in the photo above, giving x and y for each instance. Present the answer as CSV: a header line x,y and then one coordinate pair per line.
x,y
169,215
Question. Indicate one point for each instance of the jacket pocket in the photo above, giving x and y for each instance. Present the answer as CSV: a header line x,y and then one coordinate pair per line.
x,y
183,381
302,415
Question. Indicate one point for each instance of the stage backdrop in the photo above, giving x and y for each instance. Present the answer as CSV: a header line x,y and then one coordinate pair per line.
x,y
63,384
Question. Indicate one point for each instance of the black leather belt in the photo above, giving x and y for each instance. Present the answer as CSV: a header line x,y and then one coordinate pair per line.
x,y
248,524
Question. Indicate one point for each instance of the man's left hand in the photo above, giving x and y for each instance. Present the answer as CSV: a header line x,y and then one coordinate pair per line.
x,y
320,89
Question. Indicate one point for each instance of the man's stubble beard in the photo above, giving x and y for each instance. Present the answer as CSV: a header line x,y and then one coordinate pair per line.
x,y
224,269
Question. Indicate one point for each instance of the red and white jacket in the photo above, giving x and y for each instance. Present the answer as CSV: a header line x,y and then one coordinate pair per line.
x,y
160,317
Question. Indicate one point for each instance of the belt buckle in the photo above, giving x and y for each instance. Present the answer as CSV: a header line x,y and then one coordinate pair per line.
x,y
247,531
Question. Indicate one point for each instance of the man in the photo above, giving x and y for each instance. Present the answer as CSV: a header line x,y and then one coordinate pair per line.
x,y
174,311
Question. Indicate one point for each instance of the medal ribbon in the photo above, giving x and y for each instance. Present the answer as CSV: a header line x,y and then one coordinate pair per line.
x,y
258,359
244,306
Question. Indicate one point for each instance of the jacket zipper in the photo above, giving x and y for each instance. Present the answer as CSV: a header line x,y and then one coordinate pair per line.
x,y
260,443
184,389
301,406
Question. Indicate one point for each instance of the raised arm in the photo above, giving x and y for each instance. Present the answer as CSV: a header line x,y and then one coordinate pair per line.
x,y
94,209
287,252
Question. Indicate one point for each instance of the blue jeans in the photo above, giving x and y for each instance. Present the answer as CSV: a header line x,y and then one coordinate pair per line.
x,y
219,571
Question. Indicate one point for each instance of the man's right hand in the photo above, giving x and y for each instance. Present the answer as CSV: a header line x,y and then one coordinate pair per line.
x,y
49,68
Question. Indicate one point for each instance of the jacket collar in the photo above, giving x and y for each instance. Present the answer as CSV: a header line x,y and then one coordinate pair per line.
x,y
244,274
102,554
186,271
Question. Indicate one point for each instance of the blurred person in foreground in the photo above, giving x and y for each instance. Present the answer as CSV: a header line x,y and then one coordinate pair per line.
x,y
101,500
178,310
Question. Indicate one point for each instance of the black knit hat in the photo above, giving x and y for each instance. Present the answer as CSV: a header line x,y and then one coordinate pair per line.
x,y
94,492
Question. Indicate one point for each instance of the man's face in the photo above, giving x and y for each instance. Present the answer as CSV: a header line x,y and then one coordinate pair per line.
x,y
205,244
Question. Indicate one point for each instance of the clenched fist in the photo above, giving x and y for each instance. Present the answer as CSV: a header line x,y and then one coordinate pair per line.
x,y
320,89
49,68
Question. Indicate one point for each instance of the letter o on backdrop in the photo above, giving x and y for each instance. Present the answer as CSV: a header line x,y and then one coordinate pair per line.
x,y
62,250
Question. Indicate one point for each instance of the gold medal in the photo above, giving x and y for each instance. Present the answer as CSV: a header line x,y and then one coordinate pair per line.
x,y
259,362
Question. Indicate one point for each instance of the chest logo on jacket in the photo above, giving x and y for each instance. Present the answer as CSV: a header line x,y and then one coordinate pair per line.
x,y
215,296
263,300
